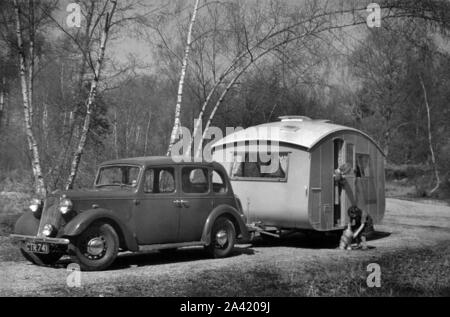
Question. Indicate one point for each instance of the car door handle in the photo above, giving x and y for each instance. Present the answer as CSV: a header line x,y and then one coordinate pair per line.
x,y
177,203
184,203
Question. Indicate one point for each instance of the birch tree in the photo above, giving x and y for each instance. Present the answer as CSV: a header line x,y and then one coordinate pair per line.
x,y
278,33
26,73
430,140
90,103
177,121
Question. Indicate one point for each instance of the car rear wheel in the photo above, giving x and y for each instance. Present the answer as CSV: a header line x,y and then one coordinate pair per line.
x,y
223,237
39,259
96,248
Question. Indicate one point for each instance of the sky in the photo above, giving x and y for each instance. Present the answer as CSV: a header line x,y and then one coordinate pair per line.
x,y
119,48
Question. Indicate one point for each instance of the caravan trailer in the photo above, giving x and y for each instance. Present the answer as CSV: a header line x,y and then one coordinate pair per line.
x,y
302,192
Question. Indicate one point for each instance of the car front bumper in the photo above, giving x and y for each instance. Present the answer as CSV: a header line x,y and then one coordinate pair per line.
x,y
24,238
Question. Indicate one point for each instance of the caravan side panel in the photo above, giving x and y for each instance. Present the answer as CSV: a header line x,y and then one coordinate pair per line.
x,y
280,204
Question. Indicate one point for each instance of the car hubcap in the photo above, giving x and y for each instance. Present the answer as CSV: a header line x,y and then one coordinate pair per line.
x,y
221,238
96,247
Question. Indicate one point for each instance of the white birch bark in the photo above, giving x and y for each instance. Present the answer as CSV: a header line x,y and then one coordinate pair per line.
x,y
430,143
208,99
177,122
230,85
91,99
218,103
31,61
39,184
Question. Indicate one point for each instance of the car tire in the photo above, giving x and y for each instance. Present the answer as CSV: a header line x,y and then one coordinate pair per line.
x,y
47,259
223,237
96,248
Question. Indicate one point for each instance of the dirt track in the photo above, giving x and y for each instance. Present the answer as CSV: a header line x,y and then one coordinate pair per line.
x,y
407,226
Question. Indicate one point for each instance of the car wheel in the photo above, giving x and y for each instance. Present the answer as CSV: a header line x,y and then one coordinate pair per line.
x,y
223,237
96,248
39,259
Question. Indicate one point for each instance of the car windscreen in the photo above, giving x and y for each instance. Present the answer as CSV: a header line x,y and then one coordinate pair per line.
x,y
118,176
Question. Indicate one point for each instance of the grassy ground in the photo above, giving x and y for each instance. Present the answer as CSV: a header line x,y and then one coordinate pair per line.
x,y
406,273
267,270
12,205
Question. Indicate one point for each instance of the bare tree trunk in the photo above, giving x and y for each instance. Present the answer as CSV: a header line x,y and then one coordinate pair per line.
x,y
91,99
253,59
116,148
387,143
126,134
136,142
2,100
177,122
146,133
207,100
233,65
78,93
213,112
27,105
430,143
61,83
31,61
45,125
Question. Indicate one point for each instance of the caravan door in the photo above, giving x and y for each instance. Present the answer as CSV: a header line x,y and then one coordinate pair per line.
x,y
348,197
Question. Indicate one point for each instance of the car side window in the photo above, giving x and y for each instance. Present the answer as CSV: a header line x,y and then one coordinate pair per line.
x,y
159,180
166,181
194,180
218,182
149,180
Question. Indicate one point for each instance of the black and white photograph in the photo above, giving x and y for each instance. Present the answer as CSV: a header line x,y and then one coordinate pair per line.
x,y
225,154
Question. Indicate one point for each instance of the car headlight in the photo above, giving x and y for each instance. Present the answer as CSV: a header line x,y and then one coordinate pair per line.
x,y
65,205
36,205
47,230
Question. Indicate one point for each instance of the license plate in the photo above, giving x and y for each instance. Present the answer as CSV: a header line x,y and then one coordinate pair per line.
x,y
37,247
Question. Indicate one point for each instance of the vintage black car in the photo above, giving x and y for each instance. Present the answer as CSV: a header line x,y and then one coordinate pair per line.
x,y
136,204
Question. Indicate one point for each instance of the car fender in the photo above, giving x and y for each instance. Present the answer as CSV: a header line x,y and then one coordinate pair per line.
x,y
27,224
83,220
230,212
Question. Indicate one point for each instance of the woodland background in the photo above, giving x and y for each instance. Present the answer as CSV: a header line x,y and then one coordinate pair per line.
x,y
72,97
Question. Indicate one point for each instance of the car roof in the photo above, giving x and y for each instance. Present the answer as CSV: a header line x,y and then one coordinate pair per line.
x,y
159,160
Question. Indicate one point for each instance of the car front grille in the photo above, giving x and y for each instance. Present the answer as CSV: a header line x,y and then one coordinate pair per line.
x,y
50,214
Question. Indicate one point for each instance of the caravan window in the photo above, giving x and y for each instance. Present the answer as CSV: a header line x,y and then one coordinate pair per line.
x,y
362,165
349,154
253,166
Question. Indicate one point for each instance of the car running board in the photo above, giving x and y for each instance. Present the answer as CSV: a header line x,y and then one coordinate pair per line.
x,y
152,247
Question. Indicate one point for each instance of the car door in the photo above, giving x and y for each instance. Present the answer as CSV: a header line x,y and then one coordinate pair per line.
x,y
196,200
157,211
221,189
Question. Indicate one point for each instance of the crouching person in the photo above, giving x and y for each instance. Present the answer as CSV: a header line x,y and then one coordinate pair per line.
x,y
357,230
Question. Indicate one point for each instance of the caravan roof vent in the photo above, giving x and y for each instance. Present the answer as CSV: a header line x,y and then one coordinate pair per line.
x,y
294,118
